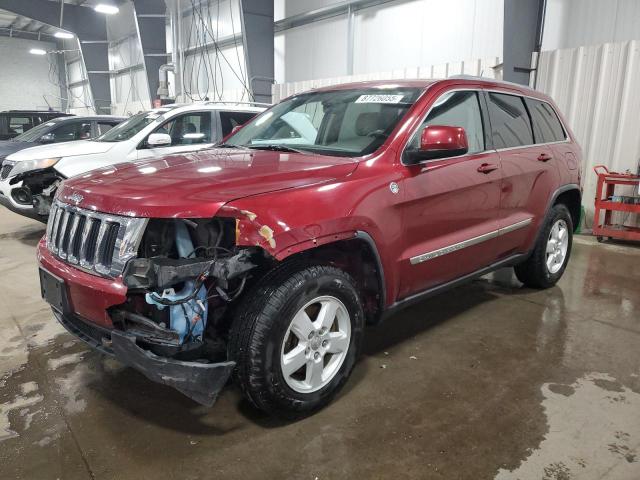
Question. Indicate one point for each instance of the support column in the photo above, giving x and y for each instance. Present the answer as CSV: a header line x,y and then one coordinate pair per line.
x,y
151,21
523,25
257,32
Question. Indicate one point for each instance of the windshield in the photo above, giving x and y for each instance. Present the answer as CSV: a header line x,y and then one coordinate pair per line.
x,y
35,133
128,128
339,122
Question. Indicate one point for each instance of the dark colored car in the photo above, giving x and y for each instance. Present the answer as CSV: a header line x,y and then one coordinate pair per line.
x,y
60,129
265,258
16,122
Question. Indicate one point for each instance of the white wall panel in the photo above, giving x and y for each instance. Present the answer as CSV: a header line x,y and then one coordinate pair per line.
x,y
390,36
316,50
426,32
574,23
477,67
596,87
24,78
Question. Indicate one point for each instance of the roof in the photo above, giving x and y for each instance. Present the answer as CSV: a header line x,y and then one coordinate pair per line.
x,y
424,83
35,111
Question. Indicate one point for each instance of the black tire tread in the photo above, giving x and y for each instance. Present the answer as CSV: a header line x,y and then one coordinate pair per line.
x,y
533,271
252,324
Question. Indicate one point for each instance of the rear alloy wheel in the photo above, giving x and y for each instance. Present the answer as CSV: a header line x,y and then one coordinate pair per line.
x,y
557,246
296,337
551,252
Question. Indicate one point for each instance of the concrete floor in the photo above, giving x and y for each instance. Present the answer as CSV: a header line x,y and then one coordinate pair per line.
x,y
489,380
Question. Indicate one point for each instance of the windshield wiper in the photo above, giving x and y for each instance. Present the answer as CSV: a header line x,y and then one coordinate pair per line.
x,y
274,148
226,145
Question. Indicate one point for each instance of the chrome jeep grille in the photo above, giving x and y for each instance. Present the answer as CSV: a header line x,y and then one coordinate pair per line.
x,y
6,169
96,242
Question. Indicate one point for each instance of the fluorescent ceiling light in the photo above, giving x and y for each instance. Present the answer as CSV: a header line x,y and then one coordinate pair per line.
x,y
63,35
108,9
37,51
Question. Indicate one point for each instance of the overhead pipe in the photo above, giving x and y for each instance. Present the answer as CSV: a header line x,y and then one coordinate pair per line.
x,y
163,82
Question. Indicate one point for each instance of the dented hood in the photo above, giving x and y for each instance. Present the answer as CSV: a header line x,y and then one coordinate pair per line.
x,y
196,185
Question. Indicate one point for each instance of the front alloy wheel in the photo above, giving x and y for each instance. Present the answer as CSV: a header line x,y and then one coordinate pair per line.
x,y
296,337
315,344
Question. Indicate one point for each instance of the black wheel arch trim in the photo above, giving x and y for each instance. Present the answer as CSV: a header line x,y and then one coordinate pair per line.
x,y
382,297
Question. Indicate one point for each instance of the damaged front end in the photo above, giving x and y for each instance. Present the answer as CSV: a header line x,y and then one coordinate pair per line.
x,y
174,323
36,188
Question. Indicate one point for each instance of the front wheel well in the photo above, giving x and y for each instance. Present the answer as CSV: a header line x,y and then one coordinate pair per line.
x,y
359,258
572,200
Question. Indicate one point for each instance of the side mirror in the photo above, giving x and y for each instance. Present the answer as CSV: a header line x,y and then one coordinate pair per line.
x,y
439,141
47,138
159,140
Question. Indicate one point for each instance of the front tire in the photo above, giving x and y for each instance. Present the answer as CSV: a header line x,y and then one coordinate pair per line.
x,y
551,252
296,339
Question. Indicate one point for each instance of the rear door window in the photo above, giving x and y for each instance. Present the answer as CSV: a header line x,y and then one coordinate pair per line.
x,y
546,124
229,120
188,129
72,131
510,124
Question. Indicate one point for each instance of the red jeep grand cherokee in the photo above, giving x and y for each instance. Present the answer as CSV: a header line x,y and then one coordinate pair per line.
x,y
265,257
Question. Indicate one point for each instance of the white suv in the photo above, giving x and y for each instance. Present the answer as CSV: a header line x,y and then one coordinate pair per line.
x,y
30,177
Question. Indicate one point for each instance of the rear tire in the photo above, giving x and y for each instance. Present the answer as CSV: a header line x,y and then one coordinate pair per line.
x,y
551,252
280,326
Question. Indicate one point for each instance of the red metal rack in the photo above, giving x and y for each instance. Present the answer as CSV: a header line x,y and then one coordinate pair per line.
x,y
608,202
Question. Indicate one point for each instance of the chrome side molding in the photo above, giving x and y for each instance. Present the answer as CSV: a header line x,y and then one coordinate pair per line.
x,y
423,257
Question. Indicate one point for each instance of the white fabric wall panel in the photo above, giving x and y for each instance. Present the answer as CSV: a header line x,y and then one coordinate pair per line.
x,y
573,23
390,36
296,7
596,87
477,67
316,50
426,32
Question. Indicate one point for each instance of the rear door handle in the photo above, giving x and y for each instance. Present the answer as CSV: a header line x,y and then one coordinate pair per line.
x,y
487,167
544,157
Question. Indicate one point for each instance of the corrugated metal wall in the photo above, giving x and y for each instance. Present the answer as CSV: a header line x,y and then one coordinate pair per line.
x,y
479,67
598,90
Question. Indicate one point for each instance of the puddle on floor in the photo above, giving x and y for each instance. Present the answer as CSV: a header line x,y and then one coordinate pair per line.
x,y
593,432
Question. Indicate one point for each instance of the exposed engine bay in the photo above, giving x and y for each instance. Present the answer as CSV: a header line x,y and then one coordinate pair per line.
x,y
180,286
38,189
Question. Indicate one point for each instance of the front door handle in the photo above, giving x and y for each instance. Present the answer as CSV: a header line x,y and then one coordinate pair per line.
x,y
544,157
487,167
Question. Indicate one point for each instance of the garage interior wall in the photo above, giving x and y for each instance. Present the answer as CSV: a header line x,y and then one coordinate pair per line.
x,y
128,80
24,76
590,65
576,23
217,72
596,89
392,35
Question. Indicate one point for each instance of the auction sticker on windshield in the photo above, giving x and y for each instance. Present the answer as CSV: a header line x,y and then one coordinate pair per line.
x,y
379,99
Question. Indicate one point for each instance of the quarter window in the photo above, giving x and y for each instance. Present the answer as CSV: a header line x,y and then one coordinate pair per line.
x,y
105,127
546,125
456,109
18,125
510,125
230,120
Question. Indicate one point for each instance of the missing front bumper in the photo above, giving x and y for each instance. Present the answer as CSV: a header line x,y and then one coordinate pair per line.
x,y
202,382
